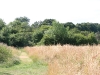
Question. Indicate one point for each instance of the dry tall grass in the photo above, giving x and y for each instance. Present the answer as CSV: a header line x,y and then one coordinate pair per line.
x,y
67,59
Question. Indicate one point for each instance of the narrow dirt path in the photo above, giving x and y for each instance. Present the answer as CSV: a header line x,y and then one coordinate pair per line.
x,y
25,58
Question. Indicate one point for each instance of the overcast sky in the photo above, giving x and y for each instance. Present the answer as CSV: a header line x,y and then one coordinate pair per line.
x,y
75,11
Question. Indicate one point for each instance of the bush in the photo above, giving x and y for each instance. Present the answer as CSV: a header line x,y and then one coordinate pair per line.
x,y
7,58
11,62
5,53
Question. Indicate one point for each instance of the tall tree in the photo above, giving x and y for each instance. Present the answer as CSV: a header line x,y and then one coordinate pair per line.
x,y
69,24
48,21
36,24
55,35
23,19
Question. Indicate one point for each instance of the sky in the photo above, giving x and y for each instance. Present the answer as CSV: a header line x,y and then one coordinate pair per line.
x,y
76,11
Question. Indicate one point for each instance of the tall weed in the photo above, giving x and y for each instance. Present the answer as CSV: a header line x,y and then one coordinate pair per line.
x,y
68,59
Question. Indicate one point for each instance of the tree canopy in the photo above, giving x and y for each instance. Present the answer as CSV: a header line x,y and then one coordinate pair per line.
x,y
20,33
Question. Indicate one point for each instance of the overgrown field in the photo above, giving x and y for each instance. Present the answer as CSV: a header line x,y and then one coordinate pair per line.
x,y
67,59
56,60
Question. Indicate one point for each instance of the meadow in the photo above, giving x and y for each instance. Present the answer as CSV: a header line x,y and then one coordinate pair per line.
x,y
56,60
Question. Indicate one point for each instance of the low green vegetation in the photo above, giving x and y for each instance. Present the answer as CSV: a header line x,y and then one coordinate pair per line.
x,y
5,53
17,62
7,58
25,69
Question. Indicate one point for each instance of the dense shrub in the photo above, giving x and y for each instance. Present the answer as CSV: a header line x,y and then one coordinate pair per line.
x,y
5,53
7,58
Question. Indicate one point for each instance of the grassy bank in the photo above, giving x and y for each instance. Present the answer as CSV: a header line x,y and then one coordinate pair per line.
x,y
19,63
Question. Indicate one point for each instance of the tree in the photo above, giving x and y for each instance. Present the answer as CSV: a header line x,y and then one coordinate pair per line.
x,y
18,26
98,28
55,35
97,35
69,24
4,35
59,32
75,37
92,27
20,39
48,21
91,39
37,36
2,24
36,24
23,19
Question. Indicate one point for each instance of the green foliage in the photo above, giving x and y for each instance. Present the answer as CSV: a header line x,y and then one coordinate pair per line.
x,y
76,37
44,28
13,61
60,33
39,68
92,27
91,39
56,34
37,36
48,32
36,24
4,35
2,24
97,35
20,39
7,59
69,24
19,26
5,53
23,19
48,38
48,22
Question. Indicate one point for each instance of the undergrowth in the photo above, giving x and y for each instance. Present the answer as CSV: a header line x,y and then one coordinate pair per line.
x,y
8,56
